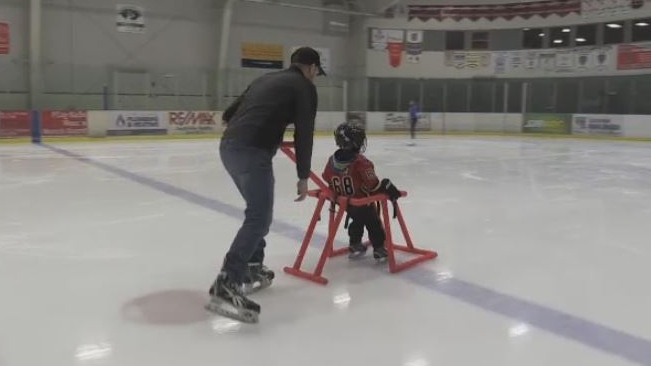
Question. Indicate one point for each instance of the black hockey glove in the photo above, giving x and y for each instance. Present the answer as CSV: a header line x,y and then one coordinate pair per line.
x,y
390,190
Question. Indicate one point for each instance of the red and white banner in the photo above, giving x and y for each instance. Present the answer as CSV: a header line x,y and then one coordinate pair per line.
x,y
634,56
609,8
395,46
193,122
15,124
5,40
64,123
491,12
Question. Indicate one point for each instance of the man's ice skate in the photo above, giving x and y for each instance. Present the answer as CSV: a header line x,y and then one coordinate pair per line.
x,y
259,278
356,250
380,254
227,299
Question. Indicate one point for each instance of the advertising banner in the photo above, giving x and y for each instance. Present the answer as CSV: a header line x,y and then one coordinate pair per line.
x,y
262,55
136,123
15,124
399,121
356,117
597,125
193,122
634,56
468,59
552,123
5,41
64,123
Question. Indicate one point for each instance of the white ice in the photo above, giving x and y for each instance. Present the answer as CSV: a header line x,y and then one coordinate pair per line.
x,y
99,269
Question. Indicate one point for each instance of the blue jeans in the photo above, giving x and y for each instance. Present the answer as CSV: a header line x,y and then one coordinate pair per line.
x,y
252,171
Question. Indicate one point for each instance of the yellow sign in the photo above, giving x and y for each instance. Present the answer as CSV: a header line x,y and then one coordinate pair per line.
x,y
262,55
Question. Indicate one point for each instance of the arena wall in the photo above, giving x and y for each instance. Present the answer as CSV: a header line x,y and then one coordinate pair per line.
x,y
71,125
89,62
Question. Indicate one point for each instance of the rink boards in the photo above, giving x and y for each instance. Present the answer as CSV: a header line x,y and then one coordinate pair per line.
x,y
73,123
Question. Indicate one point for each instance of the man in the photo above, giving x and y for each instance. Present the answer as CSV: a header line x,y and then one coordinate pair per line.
x,y
256,123
413,118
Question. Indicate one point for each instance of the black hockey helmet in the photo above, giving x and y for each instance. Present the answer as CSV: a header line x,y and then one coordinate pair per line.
x,y
351,136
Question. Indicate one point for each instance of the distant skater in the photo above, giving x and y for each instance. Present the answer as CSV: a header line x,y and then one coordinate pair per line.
x,y
414,111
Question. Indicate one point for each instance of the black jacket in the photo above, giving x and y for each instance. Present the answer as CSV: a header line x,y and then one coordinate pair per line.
x,y
261,114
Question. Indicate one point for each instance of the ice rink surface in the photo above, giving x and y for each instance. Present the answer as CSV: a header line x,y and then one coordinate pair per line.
x,y
107,250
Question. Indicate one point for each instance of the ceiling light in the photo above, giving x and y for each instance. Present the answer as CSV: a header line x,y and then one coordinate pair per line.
x,y
566,30
580,39
525,29
642,24
541,34
613,25
558,41
519,330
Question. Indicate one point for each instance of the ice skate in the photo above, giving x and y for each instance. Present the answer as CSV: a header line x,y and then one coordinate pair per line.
x,y
227,299
356,250
259,278
380,254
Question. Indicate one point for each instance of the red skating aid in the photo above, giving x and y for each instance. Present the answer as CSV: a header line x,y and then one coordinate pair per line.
x,y
324,194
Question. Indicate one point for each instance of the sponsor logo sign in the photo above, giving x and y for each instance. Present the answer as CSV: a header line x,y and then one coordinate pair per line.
x,y
193,122
64,123
547,123
137,123
15,124
400,121
600,125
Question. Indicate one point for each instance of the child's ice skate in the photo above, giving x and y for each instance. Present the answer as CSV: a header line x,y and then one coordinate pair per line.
x,y
259,277
227,299
380,254
356,250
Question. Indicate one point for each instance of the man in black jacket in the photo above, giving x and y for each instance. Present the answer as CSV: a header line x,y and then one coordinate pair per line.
x,y
256,123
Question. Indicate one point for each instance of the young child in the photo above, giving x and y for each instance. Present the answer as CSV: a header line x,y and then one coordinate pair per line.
x,y
349,173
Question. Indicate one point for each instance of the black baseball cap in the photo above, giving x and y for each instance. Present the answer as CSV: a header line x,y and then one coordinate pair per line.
x,y
308,56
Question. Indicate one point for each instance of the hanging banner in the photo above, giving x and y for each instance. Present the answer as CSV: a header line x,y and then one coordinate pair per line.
x,y
549,62
5,41
609,8
500,60
130,19
262,55
378,39
491,12
414,46
395,46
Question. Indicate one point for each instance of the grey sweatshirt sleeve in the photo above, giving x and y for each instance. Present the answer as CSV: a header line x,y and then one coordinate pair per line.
x,y
305,115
